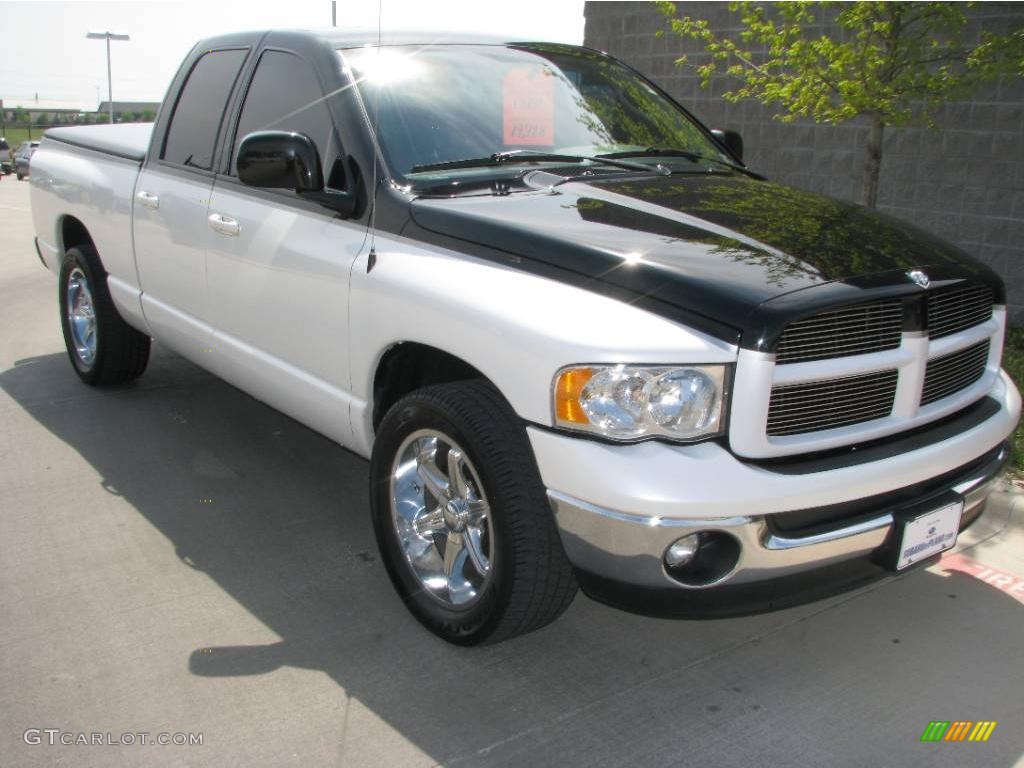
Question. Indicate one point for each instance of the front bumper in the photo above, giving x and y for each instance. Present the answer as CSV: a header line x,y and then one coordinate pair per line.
x,y
629,548
619,507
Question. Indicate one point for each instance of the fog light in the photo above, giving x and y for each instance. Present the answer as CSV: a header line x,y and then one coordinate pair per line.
x,y
682,551
702,558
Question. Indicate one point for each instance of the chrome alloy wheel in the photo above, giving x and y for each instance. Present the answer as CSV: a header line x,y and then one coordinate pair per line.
x,y
81,317
441,518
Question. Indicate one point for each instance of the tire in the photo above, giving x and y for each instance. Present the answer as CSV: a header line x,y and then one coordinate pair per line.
x,y
102,347
528,581
21,176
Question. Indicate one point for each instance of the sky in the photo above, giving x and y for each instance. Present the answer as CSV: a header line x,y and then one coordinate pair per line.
x,y
45,50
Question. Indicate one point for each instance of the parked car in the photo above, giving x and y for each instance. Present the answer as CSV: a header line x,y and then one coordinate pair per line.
x,y
578,340
5,156
23,156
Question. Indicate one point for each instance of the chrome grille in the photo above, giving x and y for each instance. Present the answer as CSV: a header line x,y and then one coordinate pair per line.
x,y
842,332
874,369
950,373
818,405
953,311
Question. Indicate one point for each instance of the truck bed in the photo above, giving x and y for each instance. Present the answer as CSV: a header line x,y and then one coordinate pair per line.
x,y
86,176
127,140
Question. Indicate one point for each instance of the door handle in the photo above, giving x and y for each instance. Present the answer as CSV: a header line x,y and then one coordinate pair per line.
x,y
224,224
148,199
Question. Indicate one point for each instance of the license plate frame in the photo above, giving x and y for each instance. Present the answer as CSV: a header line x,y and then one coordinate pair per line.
x,y
923,535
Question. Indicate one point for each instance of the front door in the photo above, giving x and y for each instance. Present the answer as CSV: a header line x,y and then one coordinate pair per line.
x,y
278,267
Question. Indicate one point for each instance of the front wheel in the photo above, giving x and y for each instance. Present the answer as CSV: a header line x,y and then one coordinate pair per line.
x,y
462,519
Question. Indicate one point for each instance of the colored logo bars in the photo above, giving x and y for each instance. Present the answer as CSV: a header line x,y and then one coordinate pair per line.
x,y
958,730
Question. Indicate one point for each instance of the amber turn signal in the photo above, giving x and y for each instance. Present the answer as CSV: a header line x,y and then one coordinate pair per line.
x,y
568,388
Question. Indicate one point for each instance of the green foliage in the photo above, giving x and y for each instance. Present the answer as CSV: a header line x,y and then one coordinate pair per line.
x,y
148,116
892,62
1013,362
42,119
897,61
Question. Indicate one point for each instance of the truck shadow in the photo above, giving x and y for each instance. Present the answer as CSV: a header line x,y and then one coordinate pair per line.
x,y
277,517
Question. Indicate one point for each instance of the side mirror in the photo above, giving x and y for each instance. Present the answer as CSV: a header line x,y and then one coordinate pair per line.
x,y
731,140
280,160
286,160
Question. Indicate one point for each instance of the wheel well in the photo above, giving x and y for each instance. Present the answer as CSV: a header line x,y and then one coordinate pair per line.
x,y
73,233
409,366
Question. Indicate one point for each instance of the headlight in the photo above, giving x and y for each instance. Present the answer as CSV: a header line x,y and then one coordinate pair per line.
x,y
628,402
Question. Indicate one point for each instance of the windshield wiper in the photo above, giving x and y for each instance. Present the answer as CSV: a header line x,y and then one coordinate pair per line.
x,y
528,156
669,152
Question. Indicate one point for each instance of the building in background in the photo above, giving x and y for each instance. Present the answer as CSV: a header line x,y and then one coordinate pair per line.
x,y
964,182
135,111
41,112
32,110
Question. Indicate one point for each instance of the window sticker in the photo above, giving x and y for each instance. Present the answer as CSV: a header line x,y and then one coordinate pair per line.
x,y
529,100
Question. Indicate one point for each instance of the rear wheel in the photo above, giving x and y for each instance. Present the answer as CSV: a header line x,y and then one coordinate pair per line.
x,y
462,519
102,347
20,176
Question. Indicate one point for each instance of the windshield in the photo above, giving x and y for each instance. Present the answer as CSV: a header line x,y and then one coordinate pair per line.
x,y
450,103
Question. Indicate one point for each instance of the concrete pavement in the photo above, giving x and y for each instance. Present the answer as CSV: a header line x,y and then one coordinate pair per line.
x,y
177,557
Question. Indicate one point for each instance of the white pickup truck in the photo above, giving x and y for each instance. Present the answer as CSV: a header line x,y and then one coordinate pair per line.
x,y
579,341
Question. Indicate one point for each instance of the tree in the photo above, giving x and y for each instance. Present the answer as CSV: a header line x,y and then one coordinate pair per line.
x,y
42,118
894,63
148,115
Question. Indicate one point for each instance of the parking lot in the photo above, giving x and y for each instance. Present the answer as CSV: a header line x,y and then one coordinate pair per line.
x,y
176,557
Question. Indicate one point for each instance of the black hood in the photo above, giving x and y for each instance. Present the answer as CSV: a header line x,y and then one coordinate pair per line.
x,y
734,255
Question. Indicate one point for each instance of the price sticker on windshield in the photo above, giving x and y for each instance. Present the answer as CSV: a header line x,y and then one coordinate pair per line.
x,y
529,107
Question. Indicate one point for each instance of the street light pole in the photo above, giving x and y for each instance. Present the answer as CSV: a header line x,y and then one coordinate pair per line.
x,y
108,36
110,83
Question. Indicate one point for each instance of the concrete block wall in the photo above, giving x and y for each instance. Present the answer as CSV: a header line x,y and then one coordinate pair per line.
x,y
964,181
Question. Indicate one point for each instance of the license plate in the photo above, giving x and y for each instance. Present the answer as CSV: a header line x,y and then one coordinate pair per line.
x,y
929,534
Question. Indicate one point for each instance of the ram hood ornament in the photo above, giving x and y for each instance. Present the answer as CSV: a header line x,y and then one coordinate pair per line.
x,y
919,277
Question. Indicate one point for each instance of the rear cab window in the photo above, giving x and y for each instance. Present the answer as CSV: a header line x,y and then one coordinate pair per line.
x,y
195,123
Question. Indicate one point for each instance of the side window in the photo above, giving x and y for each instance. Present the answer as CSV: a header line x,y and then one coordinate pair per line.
x,y
285,95
193,133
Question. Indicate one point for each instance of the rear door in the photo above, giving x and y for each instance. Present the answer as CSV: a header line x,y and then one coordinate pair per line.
x,y
278,266
171,201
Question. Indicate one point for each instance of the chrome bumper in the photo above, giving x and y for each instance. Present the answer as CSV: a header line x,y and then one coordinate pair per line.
x,y
629,548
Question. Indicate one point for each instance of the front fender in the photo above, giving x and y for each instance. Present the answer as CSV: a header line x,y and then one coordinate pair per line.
x,y
516,328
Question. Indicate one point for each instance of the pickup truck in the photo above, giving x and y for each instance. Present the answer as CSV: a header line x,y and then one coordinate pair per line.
x,y
579,341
